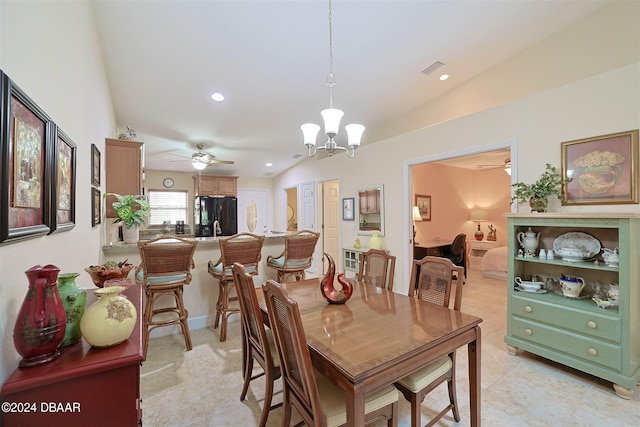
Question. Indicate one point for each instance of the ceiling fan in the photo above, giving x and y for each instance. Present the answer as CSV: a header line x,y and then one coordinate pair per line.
x,y
506,166
201,160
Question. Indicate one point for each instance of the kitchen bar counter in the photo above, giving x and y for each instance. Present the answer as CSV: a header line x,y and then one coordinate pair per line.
x,y
201,294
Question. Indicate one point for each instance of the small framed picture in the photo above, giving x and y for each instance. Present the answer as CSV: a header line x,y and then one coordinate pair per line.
x,y
424,206
95,165
348,209
95,206
601,170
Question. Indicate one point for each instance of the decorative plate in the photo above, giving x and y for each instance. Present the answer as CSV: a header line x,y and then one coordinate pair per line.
x,y
576,241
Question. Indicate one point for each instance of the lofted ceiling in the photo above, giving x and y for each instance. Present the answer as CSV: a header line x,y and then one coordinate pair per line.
x,y
270,59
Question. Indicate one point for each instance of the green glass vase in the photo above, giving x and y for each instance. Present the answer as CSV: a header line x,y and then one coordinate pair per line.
x,y
74,299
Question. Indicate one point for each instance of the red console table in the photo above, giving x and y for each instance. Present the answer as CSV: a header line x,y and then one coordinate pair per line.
x,y
84,386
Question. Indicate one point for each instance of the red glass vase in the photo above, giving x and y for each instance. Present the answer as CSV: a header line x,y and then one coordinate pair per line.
x,y
42,320
328,289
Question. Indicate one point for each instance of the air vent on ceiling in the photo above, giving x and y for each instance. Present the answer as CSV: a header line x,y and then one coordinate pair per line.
x,y
431,68
296,156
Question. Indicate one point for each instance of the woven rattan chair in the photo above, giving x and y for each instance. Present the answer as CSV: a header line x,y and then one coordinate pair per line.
x,y
315,397
297,255
377,268
164,270
258,343
438,278
245,248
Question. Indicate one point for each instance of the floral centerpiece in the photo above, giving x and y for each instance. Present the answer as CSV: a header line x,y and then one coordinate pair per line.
x,y
108,271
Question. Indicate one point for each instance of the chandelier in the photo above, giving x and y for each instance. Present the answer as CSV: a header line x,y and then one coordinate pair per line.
x,y
331,117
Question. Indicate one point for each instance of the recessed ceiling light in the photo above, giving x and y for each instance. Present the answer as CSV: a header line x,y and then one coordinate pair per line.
x,y
268,164
444,77
218,97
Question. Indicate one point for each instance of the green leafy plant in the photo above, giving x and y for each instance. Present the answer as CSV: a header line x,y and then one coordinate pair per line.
x,y
537,194
131,209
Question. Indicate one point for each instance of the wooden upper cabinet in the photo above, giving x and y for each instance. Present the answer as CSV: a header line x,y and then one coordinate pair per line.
x,y
369,202
209,185
123,170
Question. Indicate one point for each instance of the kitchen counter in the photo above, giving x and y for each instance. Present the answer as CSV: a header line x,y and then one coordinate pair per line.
x,y
201,294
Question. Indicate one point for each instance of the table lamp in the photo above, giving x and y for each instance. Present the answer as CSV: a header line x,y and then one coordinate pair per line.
x,y
416,217
479,215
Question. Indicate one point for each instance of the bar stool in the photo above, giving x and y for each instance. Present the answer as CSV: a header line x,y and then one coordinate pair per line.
x,y
244,248
297,255
164,270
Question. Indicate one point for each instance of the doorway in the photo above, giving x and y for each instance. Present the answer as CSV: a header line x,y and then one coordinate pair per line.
x,y
329,217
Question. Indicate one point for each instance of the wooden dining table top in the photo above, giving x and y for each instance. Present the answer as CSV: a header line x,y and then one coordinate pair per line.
x,y
375,330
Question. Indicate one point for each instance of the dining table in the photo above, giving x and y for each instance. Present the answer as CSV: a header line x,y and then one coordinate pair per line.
x,y
378,337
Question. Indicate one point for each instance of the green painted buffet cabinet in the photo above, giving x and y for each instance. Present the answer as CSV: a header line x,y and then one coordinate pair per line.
x,y
595,330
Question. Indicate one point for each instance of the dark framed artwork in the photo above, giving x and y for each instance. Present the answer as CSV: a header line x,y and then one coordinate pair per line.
x,y
95,206
64,183
424,206
601,170
26,156
95,165
348,208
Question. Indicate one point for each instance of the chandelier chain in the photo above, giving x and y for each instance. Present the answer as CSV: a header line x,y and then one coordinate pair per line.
x,y
331,81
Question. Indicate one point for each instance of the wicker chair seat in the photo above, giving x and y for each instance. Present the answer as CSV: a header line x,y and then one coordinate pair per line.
x,y
160,279
216,270
280,262
427,374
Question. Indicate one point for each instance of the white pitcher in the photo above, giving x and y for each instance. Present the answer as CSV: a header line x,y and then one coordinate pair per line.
x,y
529,241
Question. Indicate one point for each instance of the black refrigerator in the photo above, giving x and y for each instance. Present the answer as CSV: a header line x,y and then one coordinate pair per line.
x,y
209,209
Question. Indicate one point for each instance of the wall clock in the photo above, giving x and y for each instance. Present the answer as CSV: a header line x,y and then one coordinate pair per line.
x,y
167,182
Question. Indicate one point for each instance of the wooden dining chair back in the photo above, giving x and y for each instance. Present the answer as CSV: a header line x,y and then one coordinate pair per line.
x,y
315,397
377,268
457,252
165,268
258,344
437,280
244,248
296,257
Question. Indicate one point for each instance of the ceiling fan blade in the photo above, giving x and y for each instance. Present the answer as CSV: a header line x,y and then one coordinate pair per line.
x,y
221,162
178,155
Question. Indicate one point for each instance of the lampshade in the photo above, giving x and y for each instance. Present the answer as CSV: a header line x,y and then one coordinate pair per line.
x,y
309,133
416,214
479,215
199,165
331,117
507,166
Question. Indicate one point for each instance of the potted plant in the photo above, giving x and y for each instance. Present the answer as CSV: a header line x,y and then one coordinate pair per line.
x,y
132,211
537,194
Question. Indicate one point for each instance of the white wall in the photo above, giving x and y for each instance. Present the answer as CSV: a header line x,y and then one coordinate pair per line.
x,y
60,67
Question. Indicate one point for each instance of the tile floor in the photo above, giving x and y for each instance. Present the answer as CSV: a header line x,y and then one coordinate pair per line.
x,y
202,387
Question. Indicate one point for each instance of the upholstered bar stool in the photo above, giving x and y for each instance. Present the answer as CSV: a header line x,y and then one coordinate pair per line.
x,y
297,255
164,270
244,248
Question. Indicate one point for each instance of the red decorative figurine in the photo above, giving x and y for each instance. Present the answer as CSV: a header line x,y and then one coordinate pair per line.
x,y
42,320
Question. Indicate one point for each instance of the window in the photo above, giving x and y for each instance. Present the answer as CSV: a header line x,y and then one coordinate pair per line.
x,y
167,206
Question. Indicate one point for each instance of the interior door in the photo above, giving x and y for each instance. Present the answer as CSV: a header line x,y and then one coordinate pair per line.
x,y
252,211
331,222
306,213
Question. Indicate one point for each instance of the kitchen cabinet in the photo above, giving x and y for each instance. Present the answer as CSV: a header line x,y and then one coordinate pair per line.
x,y
575,331
84,386
123,170
210,185
369,201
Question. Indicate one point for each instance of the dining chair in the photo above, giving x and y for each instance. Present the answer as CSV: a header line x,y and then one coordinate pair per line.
x,y
438,278
457,252
313,395
258,343
165,268
377,268
245,248
296,257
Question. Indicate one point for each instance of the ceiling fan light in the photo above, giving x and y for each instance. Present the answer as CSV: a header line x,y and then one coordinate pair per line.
x,y
354,133
507,166
199,165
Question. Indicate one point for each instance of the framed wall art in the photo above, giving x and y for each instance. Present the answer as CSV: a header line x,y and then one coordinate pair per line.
x,y
601,169
26,150
95,206
424,206
95,165
348,207
64,183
